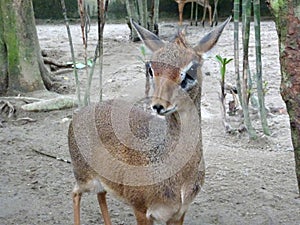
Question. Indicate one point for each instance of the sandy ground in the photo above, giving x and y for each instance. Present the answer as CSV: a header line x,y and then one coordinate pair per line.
x,y
247,182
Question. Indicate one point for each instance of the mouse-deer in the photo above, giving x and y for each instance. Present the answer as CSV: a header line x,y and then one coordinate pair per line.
x,y
153,163
206,7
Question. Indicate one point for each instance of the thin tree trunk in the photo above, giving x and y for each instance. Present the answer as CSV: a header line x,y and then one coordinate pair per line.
x,y
3,60
236,11
259,80
102,9
63,5
287,20
245,91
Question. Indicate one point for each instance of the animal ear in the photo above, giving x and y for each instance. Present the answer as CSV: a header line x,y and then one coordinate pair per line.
x,y
210,39
150,40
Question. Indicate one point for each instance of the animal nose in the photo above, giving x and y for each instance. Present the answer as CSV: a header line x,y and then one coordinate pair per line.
x,y
158,108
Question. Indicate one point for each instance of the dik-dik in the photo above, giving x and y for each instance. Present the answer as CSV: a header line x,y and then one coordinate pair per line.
x,y
154,163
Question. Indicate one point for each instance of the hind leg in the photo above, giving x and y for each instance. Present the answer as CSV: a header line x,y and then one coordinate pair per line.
x,y
103,207
76,207
141,218
177,222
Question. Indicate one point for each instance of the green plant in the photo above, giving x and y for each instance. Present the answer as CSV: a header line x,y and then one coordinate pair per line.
x,y
223,62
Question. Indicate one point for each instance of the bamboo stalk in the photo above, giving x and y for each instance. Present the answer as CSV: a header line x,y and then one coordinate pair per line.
x,y
102,10
63,5
246,6
259,81
236,11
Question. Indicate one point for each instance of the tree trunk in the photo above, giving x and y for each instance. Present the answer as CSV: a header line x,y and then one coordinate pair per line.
x,y
132,12
287,16
236,13
154,14
138,11
21,63
143,12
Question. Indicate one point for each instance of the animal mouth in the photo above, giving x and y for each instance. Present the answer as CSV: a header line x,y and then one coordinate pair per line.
x,y
167,111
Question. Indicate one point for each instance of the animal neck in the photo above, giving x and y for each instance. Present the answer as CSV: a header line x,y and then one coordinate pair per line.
x,y
188,116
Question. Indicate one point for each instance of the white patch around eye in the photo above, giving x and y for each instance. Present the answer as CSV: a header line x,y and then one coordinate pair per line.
x,y
185,69
152,83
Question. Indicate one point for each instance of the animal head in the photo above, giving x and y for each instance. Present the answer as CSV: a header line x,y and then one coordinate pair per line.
x,y
175,68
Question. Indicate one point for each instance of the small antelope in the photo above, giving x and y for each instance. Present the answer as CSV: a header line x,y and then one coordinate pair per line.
x,y
204,3
153,163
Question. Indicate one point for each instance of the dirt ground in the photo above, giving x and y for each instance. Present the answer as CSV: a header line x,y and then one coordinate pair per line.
x,y
247,182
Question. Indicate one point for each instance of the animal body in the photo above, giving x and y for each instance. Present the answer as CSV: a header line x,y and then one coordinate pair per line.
x,y
206,7
153,163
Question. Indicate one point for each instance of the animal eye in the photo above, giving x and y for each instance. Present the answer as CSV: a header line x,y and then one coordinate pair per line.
x,y
187,82
189,76
149,70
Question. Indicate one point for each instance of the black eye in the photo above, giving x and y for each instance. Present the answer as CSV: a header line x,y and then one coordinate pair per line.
x,y
149,69
189,76
187,82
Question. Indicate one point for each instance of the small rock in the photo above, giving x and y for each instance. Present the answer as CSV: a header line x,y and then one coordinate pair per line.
x,y
65,120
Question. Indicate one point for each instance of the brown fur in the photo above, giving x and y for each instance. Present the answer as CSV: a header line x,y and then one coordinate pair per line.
x,y
93,136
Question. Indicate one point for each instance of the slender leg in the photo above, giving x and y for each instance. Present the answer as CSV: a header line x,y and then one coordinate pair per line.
x,y
103,207
215,15
209,14
196,15
204,15
192,13
76,207
180,10
141,218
